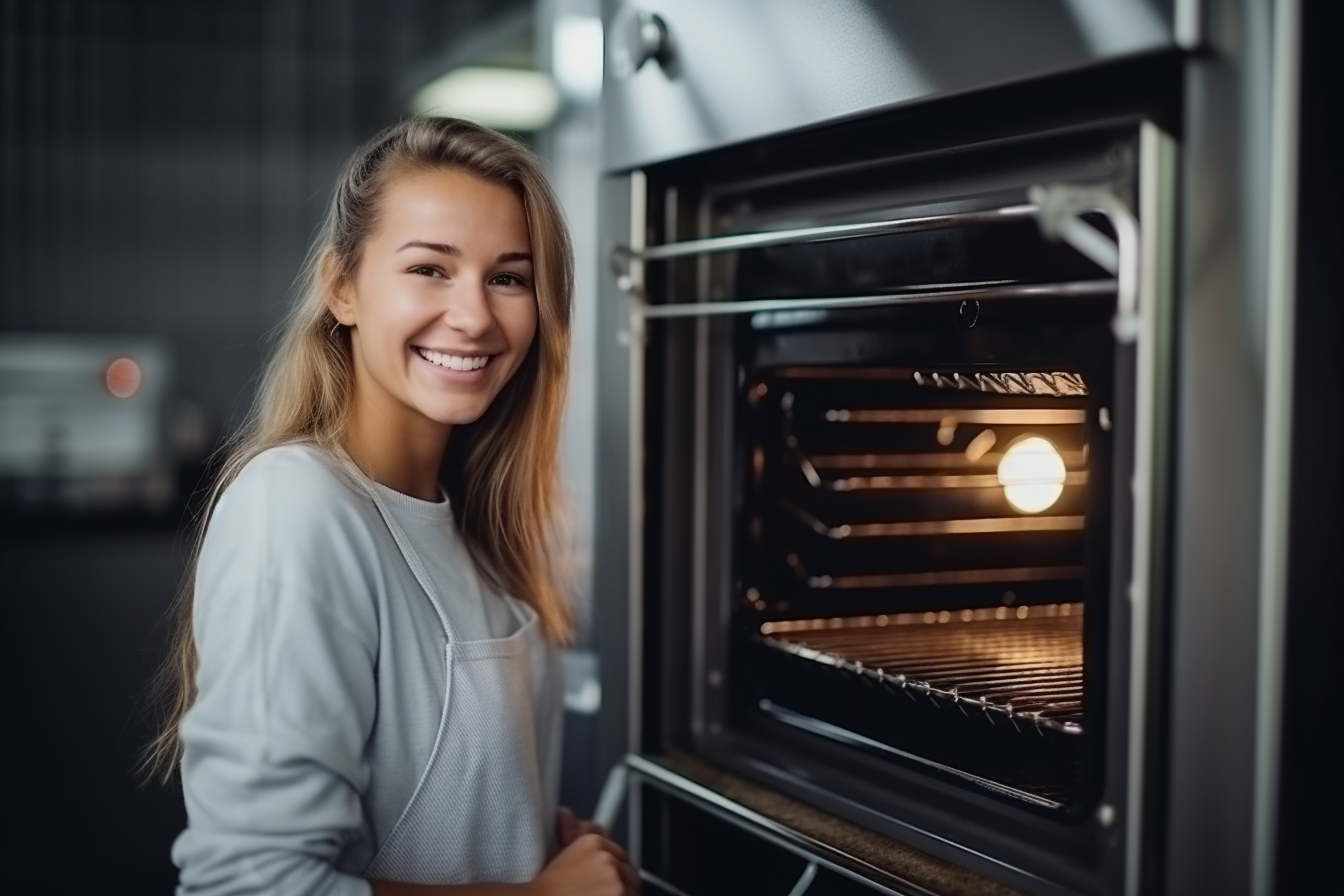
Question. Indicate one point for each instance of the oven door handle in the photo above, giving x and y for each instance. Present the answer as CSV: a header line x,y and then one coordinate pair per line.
x,y
805,880
672,889
612,797
799,889
616,787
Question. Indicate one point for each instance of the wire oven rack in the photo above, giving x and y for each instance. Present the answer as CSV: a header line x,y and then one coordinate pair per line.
x,y
1021,664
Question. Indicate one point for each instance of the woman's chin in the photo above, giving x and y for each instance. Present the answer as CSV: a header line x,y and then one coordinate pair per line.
x,y
457,415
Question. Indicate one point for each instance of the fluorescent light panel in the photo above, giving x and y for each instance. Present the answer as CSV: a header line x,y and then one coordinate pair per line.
x,y
505,98
576,55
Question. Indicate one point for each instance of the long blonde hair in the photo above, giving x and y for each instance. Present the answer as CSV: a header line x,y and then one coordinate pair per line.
x,y
500,472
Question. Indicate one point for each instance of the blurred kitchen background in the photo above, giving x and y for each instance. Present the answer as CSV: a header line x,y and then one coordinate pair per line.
x,y
163,166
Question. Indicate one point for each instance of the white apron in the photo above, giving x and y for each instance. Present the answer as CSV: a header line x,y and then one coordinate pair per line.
x,y
481,812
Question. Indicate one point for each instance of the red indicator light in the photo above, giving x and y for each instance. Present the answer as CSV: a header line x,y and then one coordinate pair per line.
x,y
122,377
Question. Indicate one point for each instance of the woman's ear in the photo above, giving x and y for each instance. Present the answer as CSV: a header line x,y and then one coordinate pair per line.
x,y
336,288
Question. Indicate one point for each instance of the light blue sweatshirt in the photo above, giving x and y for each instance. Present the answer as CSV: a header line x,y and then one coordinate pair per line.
x,y
321,679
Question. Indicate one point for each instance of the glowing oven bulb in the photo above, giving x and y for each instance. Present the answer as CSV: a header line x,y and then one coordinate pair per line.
x,y
1032,474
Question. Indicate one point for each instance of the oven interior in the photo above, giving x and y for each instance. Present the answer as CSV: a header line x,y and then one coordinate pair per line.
x,y
916,556
886,531
923,520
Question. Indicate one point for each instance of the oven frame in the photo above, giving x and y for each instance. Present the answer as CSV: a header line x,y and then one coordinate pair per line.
x,y
1113,833
1241,610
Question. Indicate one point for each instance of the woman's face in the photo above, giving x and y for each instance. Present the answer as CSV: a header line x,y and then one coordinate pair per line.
x,y
442,308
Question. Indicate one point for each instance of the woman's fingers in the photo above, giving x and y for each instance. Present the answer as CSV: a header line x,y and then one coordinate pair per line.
x,y
631,879
592,865
629,874
610,846
591,827
567,826
569,823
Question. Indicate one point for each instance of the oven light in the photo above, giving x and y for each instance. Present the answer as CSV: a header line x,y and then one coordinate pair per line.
x,y
1032,474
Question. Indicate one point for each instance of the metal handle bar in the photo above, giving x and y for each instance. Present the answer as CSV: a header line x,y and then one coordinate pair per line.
x,y
817,855
621,255
1057,208
799,889
989,293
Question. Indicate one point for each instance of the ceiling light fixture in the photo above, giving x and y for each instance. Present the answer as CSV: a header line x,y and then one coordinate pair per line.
x,y
576,57
505,98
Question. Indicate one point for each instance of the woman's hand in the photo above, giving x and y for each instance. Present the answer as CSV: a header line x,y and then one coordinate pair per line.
x,y
568,827
589,863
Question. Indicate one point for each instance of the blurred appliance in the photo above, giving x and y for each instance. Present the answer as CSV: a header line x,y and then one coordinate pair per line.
x,y
901,301
83,423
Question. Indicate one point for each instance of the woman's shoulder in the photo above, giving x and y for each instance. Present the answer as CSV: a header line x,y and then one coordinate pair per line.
x,y
289,556
299,489
297,472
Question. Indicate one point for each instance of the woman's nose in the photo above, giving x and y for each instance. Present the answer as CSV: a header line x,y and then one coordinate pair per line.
x,y
469,311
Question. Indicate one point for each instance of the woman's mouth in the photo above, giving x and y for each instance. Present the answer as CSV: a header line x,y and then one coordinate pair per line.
x,y
453,362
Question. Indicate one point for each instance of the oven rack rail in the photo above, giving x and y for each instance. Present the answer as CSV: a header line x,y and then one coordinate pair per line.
x,y
946,418
1026,667
924,578
1058,209
917,528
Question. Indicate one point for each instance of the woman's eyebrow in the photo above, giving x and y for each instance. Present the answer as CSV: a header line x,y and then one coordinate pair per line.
x,y
445,248
449,249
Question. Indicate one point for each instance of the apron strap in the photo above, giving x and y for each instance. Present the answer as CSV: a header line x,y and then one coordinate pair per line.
x,y
520,609
403,543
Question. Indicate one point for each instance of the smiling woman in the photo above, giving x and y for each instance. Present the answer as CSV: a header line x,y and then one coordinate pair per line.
x,y
441,311
366,694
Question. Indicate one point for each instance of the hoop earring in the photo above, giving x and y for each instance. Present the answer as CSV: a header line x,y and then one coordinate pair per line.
x,y
335,328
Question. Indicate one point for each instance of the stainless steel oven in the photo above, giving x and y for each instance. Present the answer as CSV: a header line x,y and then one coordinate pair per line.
x,y
893,348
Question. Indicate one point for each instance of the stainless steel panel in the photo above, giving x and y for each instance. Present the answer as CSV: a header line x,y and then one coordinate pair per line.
x,y
619,566
735,71
1219,459
1148,460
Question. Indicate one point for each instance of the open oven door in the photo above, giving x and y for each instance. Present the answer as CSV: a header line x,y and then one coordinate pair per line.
x,y
726,836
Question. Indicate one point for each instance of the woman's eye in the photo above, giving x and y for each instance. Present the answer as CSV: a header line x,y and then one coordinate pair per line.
x,y
426,270
508,279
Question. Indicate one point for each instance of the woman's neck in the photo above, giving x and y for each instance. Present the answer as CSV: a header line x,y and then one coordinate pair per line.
x,y
406,459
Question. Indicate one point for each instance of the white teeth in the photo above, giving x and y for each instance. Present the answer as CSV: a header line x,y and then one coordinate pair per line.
x,y
454,362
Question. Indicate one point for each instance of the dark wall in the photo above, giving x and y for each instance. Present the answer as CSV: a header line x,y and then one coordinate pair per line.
x,y
163,164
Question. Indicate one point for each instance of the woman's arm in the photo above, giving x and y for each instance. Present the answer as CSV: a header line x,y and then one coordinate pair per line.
x,y
273,770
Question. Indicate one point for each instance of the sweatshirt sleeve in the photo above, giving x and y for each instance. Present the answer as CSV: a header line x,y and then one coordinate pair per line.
x,y
274,764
